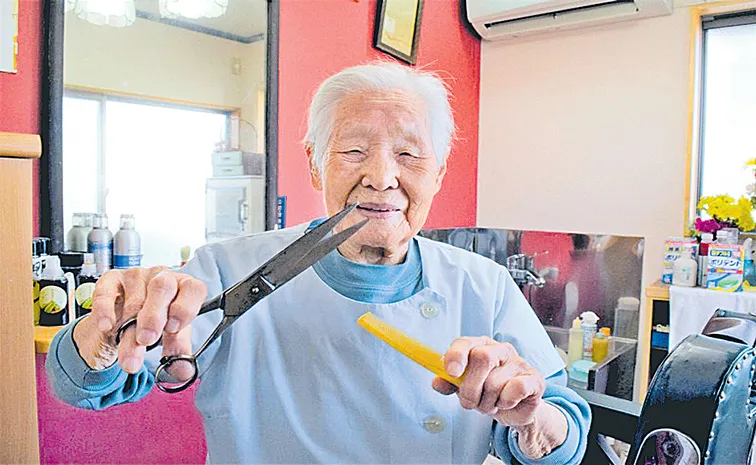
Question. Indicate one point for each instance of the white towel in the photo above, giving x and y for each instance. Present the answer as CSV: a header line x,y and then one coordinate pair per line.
x,y
691,307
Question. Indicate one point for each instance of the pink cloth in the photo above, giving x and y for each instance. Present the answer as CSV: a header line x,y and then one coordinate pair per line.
x,y
159,429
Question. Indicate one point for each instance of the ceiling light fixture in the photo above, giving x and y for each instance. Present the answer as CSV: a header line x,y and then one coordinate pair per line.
x,y
193,9
117,13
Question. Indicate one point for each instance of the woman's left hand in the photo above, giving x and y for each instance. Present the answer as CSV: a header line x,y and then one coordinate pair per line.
x,y
501,384
498,382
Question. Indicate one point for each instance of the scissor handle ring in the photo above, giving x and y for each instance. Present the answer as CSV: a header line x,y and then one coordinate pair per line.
x,y
128,324
167,361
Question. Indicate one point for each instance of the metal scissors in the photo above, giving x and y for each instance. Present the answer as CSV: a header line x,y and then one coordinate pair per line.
x,y
236,300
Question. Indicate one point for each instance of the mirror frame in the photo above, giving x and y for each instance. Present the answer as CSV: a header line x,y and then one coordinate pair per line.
x,y
51,122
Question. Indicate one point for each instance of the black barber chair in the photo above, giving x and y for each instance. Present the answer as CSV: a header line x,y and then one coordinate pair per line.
x,y
700,408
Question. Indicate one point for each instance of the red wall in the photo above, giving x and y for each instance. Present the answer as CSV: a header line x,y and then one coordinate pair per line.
x,y
19,93
321,37
318,38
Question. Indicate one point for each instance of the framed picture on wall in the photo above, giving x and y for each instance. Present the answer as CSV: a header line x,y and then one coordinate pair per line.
x,y
397,28
8,36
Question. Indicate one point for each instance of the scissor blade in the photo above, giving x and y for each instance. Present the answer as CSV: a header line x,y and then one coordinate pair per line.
x,y
288,263
212,304
283,274
302,246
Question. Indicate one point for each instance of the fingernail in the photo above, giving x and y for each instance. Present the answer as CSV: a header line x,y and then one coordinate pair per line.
x,y
172,326
146,336
131,364
454,369
104,324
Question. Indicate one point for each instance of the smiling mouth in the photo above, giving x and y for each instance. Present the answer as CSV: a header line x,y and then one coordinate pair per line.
x,y
377,208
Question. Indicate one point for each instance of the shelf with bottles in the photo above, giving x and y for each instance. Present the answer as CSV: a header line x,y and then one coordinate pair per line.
x,y
722,265
613,374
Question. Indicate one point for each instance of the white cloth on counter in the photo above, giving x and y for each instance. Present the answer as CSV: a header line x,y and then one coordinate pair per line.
x,y
691,307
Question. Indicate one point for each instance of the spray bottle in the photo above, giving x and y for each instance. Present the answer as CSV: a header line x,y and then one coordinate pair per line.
x,y
749,270
127,245
100,243
590,321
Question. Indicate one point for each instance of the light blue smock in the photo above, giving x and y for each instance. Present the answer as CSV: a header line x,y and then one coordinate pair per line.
x,y
295,380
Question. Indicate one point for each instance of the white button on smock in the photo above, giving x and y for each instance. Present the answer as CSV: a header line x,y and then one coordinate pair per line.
x,y
434,424
429,310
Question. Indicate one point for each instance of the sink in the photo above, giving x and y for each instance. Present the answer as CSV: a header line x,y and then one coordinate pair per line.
x,y
612,376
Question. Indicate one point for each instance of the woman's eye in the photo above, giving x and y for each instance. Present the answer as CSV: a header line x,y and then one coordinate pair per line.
x,y
354,152
406,154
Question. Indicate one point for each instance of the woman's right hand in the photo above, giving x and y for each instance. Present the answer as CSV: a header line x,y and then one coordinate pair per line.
x,y
164,302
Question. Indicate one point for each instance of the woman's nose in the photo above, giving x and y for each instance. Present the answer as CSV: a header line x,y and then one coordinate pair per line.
x,y
381,173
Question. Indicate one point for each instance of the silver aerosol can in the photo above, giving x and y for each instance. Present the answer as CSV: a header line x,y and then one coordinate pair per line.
x,y
100,243
76,239
128,246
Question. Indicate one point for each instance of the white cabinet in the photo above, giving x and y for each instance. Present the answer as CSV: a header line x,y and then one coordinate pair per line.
x,y
235,206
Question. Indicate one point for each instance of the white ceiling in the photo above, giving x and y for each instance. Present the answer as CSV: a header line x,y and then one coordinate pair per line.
x,y
245,18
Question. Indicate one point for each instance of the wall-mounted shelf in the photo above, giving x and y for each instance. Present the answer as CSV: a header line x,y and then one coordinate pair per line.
x,y
650,356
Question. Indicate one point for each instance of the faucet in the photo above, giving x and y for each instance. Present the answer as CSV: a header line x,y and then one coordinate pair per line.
x,y
523,272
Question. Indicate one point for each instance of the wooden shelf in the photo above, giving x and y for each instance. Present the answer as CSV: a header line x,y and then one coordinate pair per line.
x,y
43,336
658,291
655,292
18,145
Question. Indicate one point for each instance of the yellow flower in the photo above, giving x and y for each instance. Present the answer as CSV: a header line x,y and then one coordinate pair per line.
x,y
751,163
725,208
744,219
717,206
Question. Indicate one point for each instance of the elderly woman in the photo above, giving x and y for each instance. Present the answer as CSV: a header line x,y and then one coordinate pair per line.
x,y
296,380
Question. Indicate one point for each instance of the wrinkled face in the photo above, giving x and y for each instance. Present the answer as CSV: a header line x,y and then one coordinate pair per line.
x,y
380,155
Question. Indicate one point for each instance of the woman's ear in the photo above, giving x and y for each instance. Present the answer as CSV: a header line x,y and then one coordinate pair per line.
x,y
315,179
440,176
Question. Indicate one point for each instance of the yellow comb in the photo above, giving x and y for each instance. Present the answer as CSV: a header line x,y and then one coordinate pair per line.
x,y
410,348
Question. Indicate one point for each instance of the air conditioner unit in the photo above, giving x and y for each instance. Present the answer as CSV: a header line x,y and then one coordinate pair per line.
x,y
503,19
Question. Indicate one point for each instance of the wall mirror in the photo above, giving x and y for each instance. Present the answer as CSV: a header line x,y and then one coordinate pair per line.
x,y
160,109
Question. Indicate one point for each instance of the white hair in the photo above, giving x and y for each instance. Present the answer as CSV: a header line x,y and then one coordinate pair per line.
x,y
380,76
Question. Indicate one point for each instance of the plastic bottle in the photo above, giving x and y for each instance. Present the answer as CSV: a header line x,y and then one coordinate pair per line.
x,y
53,295
39,257
601,345
127,252
76,238
575,342
728,236
36,258
42,245
100,243
71,262
590,320
703,257
85,285
36,266
685,271
749,270
626,317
